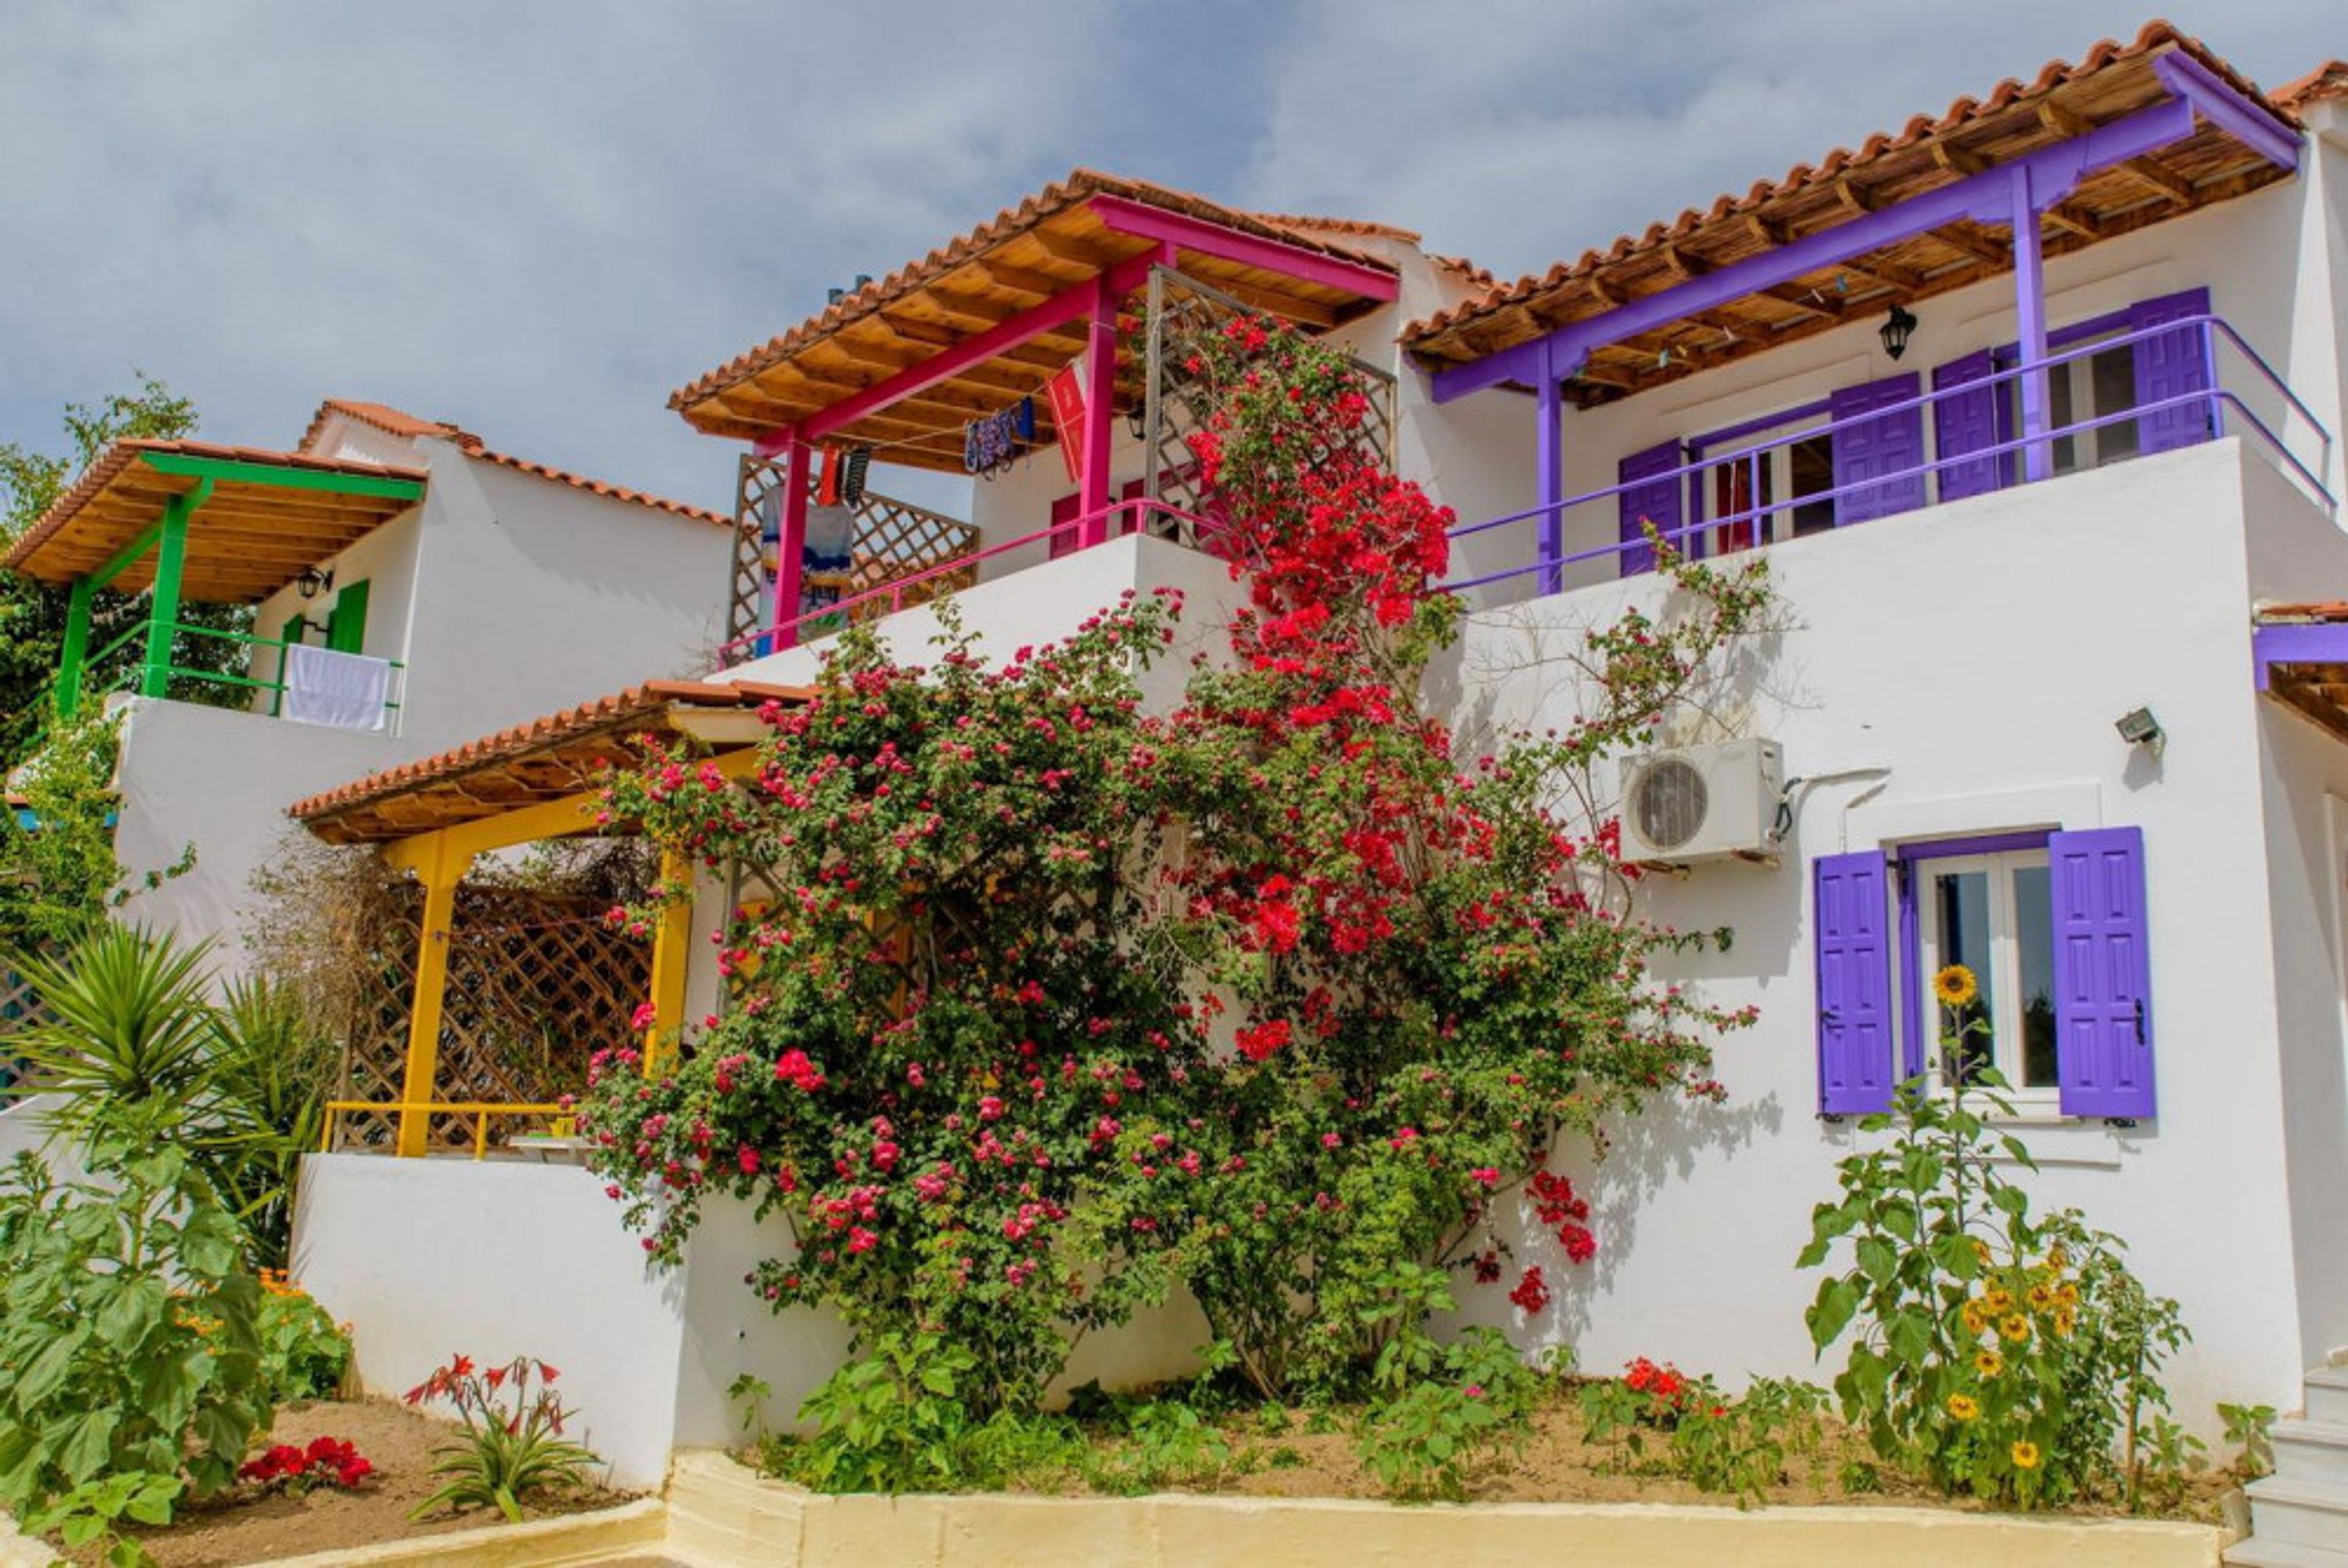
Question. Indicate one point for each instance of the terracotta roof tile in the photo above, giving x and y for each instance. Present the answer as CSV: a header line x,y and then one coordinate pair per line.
x,y
638,710
2155,36
1356,226
398,422
2328,80
2297,614
1011,221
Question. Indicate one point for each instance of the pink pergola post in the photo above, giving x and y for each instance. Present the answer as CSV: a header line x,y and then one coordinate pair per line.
x,y
790,548
1100,396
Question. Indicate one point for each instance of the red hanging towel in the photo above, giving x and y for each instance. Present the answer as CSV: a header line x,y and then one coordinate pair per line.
x,y
826,484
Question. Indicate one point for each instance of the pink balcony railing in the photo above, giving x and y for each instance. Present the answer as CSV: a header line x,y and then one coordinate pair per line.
x,y
915,588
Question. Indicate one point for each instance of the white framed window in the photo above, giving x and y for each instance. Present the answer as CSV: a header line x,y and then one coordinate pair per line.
x,y
2087,387
1797,471
1993,914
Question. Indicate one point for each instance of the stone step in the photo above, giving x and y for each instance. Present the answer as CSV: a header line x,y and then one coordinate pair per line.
x,y
2327,1394
2256,1554
2285,1511
2312,1450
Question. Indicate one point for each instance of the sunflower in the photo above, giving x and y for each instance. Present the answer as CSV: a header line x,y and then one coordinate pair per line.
x,y
2042,1296
1954,986
2016,1328
1981,1252
1964,1407
1989,1363
2067,1294
1997,1303
2025,1456
1977,1317
2065,1319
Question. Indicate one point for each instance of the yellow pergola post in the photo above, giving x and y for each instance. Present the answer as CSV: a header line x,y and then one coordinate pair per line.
x,y
442,868
671,948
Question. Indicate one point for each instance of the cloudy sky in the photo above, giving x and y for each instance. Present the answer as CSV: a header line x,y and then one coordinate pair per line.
x,y
537,217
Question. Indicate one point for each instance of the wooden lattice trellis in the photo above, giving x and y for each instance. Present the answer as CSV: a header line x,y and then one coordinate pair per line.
x,y
893,539
537,984
20,1009
1183,313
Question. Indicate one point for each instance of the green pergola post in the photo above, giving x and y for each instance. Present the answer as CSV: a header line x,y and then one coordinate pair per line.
x,y
163,599
77,605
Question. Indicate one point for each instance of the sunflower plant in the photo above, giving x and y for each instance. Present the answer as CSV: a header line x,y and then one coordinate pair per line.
x,y
2001,1355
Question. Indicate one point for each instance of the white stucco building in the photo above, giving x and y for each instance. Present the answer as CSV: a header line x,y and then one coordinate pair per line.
x,y
2035,408
461,590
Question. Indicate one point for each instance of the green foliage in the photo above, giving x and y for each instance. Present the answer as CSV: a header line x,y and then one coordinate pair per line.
x,y
58,877
267,1076
304,1351
91,1515
1440,1411
896,1418
135,1049
2250,1429
1168,1446
129,1033
130,1359
1736,1446
750,1393
513,1448
2011,1357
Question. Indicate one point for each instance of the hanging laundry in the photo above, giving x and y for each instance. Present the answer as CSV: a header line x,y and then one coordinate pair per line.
x,y
826,484
852,475
990,444
1068,395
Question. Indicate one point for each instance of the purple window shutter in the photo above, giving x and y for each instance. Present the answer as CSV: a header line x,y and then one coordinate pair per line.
x,y
1971,421
1851,933
1864,448
2103,973
2171,365
1657,503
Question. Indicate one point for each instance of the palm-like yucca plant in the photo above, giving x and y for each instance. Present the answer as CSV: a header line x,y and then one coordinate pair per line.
x,y
267,1074
129,1032
513,1443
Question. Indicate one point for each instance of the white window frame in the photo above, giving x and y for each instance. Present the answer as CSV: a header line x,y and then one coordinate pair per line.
x,y
2003,979
1778,467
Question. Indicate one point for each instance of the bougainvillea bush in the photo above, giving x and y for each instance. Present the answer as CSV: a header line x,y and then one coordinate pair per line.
x,y
1048,1003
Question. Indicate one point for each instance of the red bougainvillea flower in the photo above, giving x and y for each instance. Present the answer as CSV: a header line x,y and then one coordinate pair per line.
x,y
1531,1293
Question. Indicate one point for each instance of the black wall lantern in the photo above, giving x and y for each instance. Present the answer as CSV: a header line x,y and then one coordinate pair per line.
x,y
312,582
1896,328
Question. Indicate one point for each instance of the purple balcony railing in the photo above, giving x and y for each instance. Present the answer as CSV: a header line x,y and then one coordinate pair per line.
x,y
2011,455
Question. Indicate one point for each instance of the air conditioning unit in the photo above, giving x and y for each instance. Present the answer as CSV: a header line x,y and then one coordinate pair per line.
x,y
1693,803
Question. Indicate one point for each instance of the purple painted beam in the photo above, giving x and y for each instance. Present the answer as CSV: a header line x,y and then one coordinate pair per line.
x,y
2248,121
1986,195
2324,642
1550,444
2029,314
1024,327
1205,238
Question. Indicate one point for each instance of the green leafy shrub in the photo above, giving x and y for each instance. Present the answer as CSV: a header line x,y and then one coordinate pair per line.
x,y
1441,1411
129,1359
2249,1429
513,1448
2011,1357
304,1351
1716,1443
1168,1446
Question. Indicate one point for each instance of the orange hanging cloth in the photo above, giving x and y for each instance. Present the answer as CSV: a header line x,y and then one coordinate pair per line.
x,y
826,484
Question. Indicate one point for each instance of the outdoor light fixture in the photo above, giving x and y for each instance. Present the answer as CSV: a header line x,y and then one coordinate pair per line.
x,y
1896,328
313,582
2138,727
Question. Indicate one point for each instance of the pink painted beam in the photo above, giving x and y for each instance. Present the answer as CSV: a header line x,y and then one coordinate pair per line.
x,y
1205,238
1100,394
790,546
1026,327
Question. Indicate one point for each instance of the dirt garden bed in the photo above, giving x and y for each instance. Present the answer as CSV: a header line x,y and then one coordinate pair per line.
x,y
245,1527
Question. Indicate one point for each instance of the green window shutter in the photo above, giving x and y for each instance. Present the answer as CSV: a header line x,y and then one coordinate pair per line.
x,y
346,625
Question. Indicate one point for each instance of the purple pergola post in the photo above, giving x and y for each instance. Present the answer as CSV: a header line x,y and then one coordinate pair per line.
x,y
2030,313
1551,404
1100,395
790,546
